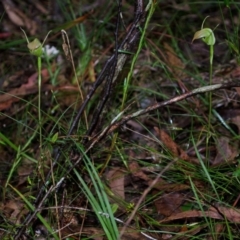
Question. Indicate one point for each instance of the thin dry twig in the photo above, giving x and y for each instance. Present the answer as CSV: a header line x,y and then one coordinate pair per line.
x,y
115,124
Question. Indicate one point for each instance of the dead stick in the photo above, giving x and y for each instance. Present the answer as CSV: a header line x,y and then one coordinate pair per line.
x,y
117,123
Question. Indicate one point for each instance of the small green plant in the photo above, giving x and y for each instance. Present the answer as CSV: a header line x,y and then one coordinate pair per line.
x,y
100,203
36,48
207,35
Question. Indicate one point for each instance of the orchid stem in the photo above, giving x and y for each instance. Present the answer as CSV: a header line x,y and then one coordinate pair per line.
x,y
210,101
39,102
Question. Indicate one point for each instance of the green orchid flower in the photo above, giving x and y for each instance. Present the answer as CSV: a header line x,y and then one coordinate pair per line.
x,y
207,35
35,47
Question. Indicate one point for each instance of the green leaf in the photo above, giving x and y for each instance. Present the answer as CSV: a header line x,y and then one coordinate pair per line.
x,y
233,47
54,138
236,173
226,2
114,207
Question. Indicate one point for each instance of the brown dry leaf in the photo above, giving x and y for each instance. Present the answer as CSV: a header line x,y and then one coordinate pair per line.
x,y
116,177
225,152
173,61
171,145
169,187
18,17
169,203
233,116
41,8
30,87
7,104
5,35
232,214
137,172
13,210
161,185
218,229
191,232
193,213
23,172
98,234
233,73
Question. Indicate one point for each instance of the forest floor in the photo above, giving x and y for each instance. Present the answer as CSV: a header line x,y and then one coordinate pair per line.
x,y
116,123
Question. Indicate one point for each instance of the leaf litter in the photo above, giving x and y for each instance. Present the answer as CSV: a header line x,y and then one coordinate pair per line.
x,y
152,142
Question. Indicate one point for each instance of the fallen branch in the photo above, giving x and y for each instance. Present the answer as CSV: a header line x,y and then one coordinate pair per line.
x,y
116,123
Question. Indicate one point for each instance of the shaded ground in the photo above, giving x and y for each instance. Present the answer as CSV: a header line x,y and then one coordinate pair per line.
x,y
173,169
